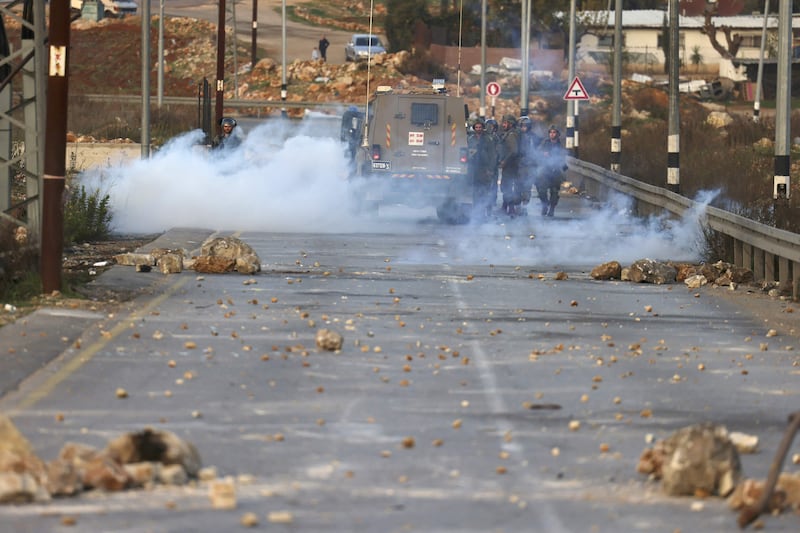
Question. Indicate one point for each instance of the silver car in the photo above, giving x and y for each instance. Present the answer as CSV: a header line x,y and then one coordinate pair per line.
x,y
362,46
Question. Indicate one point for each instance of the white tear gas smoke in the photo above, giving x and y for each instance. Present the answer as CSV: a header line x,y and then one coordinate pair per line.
x,y
587,237
284,179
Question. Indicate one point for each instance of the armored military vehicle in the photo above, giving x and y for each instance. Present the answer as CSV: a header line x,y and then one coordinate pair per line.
x,y
411,151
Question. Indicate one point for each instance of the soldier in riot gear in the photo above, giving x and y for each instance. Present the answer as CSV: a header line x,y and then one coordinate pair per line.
x,y
483,168
509,165
528,149
226,139
552,164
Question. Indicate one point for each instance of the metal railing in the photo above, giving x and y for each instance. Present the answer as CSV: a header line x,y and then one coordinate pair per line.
x,y
772,254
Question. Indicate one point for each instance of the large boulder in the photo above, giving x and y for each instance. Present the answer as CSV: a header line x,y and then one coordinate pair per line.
x,y
695,460
245,259
652,271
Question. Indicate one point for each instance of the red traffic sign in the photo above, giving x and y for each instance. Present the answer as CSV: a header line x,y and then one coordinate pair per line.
x,y
576,91
493,88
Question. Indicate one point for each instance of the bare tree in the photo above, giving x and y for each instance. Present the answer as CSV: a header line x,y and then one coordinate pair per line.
x,y
732,40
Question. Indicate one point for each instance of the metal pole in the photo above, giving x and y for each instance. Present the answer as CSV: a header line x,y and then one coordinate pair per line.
x,y
525,48
161,54
673,137
145,80
220,88
616,115
284,86
482,110
235,50
254,37
757,101
783,103
570,140
52,243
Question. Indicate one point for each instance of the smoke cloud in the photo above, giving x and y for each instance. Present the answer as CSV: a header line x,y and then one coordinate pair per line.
x,y
289,179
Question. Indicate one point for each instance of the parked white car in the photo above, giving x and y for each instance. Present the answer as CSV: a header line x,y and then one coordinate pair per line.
x,y
363,46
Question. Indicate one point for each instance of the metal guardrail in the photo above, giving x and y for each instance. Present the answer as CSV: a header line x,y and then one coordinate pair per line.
x,y
765,250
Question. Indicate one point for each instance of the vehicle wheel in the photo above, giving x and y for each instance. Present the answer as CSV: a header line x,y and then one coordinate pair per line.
x,y
453,213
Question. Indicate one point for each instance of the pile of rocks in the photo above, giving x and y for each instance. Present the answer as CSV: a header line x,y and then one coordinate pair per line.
x,y
133,460
217,255
661,272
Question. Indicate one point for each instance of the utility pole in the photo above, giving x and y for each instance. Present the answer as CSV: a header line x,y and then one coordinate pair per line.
x,y
254,37
781,189
673,137
616,118
220,88
146,79
235,50
160,97
482,110
572,130
760,76
525,47
284,86
52,244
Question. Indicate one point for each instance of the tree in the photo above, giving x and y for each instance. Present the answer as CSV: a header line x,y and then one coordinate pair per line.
x,y
732,41
402,17
696,58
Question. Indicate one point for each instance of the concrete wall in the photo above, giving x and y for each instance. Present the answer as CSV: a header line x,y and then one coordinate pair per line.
x,y
540,59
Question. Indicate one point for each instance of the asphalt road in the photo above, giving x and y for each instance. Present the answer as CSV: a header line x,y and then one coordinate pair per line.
x,y
448,408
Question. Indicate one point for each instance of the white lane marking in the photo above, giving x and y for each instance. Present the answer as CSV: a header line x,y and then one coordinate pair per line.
x,y
547,516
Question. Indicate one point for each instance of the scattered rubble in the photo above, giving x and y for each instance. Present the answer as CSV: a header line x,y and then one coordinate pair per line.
x,y
134,460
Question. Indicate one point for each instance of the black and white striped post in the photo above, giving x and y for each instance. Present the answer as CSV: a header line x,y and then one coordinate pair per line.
x,y
570,133
673,137
616,118
780,192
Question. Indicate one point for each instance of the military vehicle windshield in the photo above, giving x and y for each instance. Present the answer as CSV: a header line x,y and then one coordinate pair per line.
x,y
424,114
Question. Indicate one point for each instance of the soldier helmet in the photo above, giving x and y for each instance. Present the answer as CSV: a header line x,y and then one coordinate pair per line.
x,y
227,121
555,129
525,121
491,124
511,119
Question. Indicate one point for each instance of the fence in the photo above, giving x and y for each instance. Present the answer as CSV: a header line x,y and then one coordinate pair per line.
x,y
772,254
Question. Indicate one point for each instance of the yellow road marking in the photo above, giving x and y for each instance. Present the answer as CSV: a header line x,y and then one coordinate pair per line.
x,y
87,354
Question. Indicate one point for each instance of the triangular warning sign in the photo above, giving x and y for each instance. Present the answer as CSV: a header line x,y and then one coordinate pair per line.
x,y
576,91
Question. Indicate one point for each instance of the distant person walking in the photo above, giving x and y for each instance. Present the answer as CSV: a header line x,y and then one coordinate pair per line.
x,y
323,48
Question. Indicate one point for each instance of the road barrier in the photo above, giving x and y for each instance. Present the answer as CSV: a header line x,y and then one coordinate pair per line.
x,y
772,254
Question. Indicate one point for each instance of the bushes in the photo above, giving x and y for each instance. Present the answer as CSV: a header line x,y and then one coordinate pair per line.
x,y
87,216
